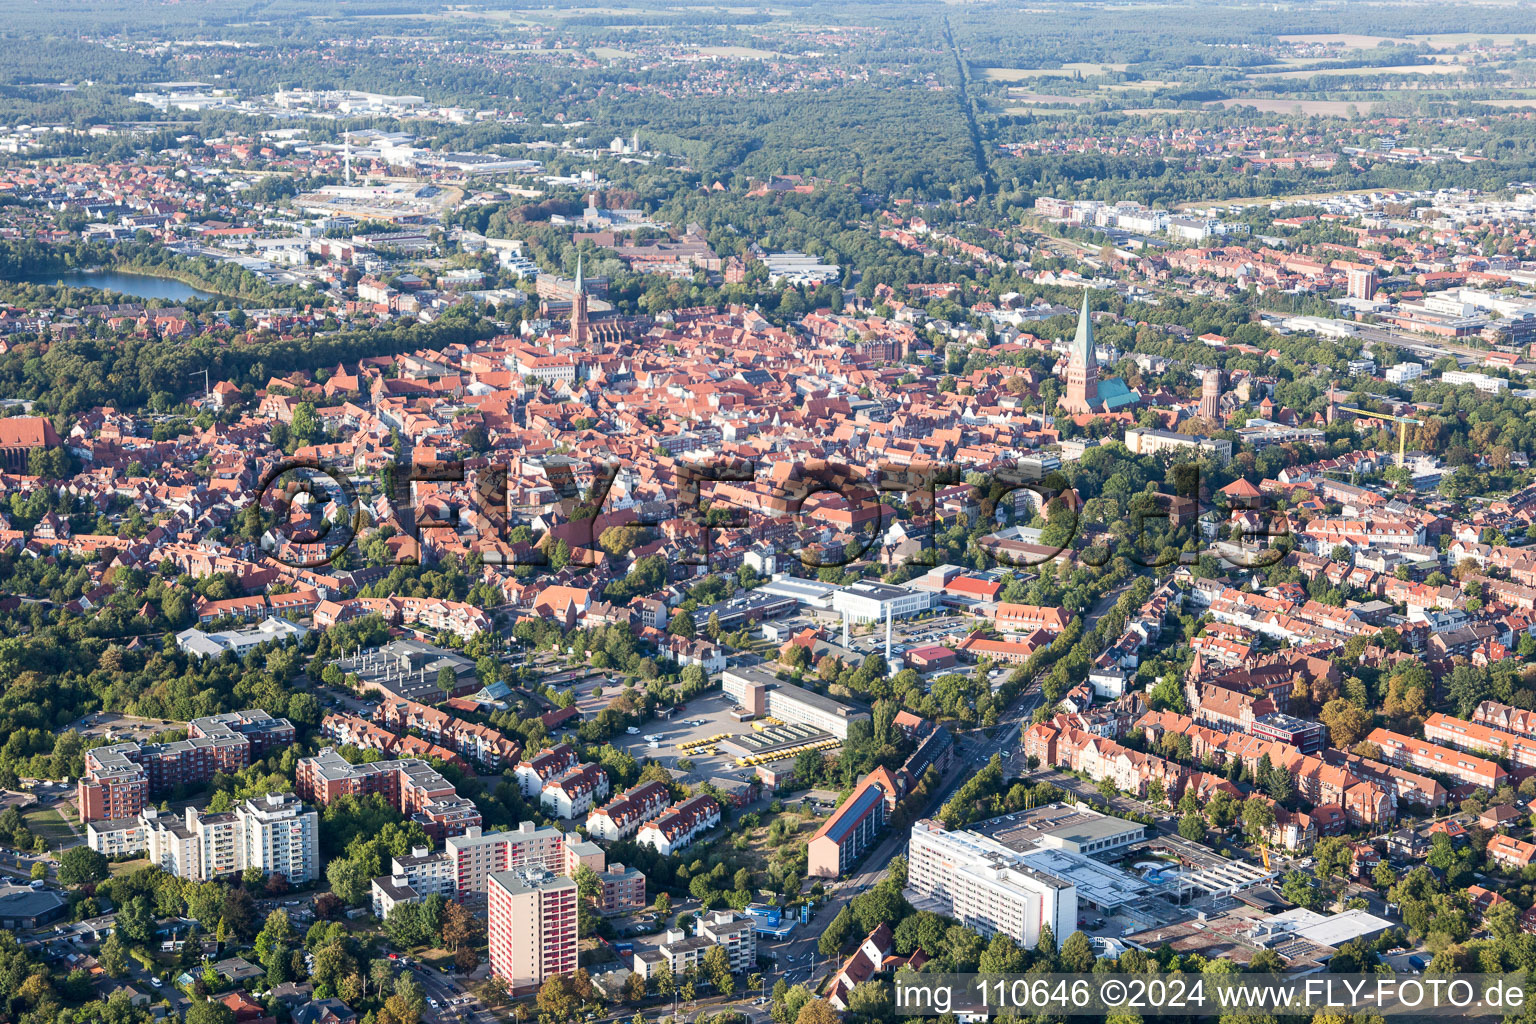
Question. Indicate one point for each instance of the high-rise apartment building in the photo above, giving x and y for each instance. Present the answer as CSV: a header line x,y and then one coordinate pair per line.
x,y
532,927
275,833
280,835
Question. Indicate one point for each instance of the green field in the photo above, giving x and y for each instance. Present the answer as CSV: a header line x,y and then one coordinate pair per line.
x,y
49,824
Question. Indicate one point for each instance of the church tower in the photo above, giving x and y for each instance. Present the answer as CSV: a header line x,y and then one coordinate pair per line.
x,y
579,328
1082,395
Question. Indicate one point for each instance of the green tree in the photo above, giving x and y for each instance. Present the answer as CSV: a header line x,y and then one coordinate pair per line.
x,y
80,865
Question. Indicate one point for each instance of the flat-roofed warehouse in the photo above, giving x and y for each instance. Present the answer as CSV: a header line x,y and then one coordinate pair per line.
x,y
1062,827
762,693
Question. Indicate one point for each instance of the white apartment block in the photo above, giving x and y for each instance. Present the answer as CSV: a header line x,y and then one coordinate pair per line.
x,y
574,792
427,872
622,816
1404,373
677,827
735,933
1482,381
276,833
476,855
118,837
986,886
279,835
679,952
533,772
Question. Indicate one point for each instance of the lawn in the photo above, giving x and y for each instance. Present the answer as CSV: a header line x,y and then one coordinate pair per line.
x,y
49,824
127,867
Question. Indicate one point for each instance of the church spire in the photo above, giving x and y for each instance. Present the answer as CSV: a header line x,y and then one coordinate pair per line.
x,y
579,329
1083,353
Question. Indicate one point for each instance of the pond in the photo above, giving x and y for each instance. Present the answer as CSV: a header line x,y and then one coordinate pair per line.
x,y
139,286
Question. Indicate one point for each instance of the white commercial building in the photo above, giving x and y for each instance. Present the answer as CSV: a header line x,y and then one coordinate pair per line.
x,y
1482,381
274,629
986,886
1404,373
761,693
872,602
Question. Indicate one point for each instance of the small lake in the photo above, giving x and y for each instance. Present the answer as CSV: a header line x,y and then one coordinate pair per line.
x,y
140,286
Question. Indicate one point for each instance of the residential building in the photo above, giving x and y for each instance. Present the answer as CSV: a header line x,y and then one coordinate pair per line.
x,y
116,837
573,793
853,828
623,890
477,855
531,927
622,816
677,827
412,786
533,772
1427,757
279,835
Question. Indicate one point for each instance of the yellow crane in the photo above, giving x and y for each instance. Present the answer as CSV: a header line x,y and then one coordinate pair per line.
x,y
1401,421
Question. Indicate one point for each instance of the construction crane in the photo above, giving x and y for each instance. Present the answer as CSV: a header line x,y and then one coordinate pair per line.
x,y
1401,421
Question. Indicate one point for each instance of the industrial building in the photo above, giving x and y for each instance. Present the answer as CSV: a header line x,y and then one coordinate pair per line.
x,y
760,692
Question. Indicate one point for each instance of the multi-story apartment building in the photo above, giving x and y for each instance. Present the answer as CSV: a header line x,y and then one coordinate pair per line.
x,y
574,792
620,817
853,827
679,952
987,886
677,827
735,933
1520,751
279,835
477,855
410,785
623,891
1427,757
119,779
116,837
548,763
276,834
531,927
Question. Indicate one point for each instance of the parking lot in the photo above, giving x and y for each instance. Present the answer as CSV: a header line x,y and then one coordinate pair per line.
x,y
712,714
119,728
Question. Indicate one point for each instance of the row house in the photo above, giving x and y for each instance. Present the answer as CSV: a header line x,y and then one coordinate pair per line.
x,y
1465,768
350,730
532,773
623,815
1407,787
575,792
1519,751
677,827
1320,783
482,744
1505,718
